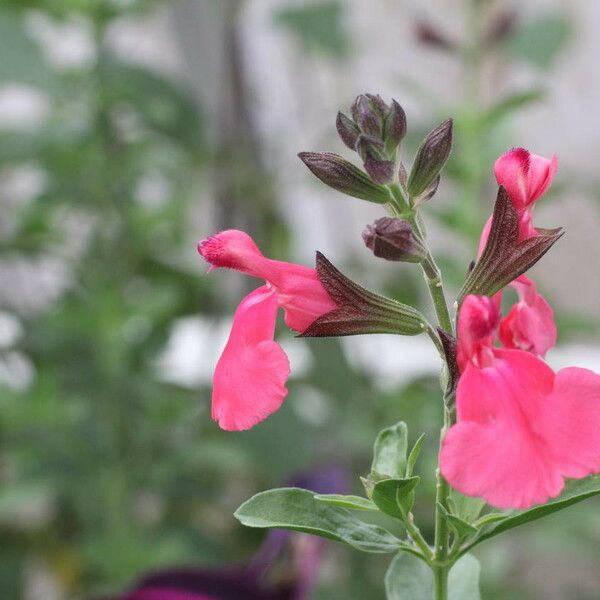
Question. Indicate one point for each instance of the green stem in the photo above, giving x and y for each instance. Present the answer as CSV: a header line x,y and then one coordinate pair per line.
x,y
417,537
433,279
440,553
440,578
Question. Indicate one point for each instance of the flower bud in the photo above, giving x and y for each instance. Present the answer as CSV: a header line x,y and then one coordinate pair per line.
x,y
431,157
393,239
368,112
347,130
394,127
341,175
371,150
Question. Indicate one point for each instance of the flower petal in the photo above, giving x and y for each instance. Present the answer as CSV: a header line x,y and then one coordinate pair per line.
x,y
530,323
249,379
234,249
573,417
511,171
541,174
524,175
477,323
498,450
301,295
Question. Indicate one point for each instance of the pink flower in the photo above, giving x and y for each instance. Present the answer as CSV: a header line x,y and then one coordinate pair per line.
x,y
524,175
521,428
530,323
250,376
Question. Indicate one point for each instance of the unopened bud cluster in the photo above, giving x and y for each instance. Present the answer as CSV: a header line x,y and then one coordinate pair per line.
x,y
394,239
374,130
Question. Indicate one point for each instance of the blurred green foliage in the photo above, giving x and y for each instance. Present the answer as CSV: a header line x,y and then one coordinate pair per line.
x,y
541,40
318,26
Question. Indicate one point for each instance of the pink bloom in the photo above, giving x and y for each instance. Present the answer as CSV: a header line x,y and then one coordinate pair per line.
x,y
250,376
524,175
530,323
521,427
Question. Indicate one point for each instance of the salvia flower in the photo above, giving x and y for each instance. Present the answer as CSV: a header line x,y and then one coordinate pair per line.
x,y
249,379
526,177
521,428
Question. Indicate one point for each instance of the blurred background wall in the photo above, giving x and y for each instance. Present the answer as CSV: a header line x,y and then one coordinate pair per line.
x,y
131,129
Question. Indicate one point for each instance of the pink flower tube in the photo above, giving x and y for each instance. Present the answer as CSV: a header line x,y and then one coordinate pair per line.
x,y
250,376
521,428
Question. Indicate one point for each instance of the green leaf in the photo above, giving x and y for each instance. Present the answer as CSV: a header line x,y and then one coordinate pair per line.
x,y
297,509
461,527
395,497
163,106
389,451
317,26
414,455
353,502
576,491
465,507
463,580
492,517
409,578
541,40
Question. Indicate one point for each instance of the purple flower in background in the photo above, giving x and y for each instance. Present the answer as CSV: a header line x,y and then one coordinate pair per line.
x,y
284,568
